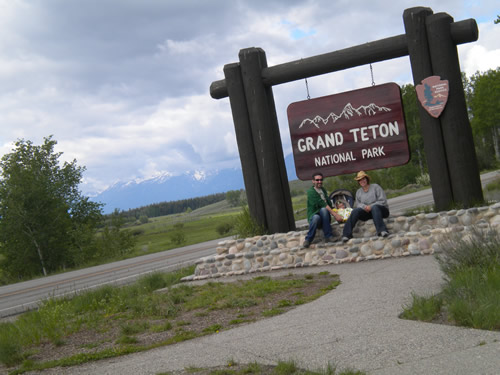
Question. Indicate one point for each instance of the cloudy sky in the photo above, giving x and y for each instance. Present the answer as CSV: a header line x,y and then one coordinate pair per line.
x,y
123,85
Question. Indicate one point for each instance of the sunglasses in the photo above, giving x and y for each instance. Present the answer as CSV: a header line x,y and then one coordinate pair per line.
x,y
318,179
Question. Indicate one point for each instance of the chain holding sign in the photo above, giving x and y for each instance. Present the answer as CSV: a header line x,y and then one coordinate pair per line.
x,y
344,133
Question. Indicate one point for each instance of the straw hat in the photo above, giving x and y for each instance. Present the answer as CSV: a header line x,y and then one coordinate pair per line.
x,y
361,175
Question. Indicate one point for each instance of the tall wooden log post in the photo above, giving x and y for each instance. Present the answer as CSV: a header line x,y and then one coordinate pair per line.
x,y
267,142
457,133
421,66
244,139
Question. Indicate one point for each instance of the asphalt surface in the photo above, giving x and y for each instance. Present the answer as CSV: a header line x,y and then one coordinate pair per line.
x,y
354,326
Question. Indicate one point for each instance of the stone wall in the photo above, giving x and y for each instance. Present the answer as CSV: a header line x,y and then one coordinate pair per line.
x,y
412,235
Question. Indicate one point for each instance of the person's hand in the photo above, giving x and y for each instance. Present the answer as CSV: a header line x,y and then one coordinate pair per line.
x,y
337,216
368,208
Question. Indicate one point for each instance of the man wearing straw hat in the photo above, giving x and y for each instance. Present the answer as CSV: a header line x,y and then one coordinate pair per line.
x,y
371,203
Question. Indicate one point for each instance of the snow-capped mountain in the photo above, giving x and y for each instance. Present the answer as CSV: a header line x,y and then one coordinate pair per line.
x,y
165,188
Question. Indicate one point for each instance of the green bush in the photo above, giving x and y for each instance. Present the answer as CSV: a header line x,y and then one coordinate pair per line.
x,y
246,226
224,228
137,232
152,281
423,180
473,297
10,345
478,248
493,186
178,237
423,308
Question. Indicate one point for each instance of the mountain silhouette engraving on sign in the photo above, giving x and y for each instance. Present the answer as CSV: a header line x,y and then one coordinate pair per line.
x,y
348,112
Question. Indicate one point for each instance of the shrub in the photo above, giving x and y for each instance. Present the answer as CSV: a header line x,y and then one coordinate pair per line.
x,y
246,226
177,237
424,180
10,345
473,297
137,232
478,248
224,228
422,308
494,185
151,282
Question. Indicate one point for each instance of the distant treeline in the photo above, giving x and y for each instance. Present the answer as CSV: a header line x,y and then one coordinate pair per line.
x,y
173,207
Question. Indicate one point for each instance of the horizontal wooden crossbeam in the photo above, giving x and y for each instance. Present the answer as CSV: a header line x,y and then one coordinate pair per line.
x,y
384,49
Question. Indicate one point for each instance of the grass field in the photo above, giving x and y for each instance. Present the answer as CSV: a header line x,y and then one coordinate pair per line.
x,y
112,321
200,225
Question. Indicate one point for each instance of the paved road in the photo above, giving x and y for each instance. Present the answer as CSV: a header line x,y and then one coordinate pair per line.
x,y
16,298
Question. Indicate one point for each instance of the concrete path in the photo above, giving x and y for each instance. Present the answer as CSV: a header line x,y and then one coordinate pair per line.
x,y
354,326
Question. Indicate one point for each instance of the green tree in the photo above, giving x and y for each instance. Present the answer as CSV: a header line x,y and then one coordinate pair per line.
x,y
178,237
414,131
46,224
113,241
483,98
233,197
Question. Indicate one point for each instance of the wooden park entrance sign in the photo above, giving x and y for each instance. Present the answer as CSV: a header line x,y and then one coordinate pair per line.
x,y
348,132
430,40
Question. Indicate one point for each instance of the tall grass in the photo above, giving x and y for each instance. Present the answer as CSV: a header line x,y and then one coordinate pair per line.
x,y
479,248
471,295
246,226
58,318
123,312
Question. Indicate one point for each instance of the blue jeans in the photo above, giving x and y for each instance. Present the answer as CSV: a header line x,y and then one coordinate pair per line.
x,y
321,218
377,213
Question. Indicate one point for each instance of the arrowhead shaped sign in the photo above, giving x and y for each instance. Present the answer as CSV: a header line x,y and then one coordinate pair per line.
x,y
433,95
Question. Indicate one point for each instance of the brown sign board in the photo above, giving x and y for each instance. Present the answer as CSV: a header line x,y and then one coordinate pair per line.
x,y
344,133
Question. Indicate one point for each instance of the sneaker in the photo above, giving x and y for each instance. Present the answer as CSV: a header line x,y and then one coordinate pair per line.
x,y
384,233
329,239
306,243
345,239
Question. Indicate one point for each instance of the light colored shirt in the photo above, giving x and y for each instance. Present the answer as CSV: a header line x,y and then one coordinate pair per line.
x,y
321,194
374,195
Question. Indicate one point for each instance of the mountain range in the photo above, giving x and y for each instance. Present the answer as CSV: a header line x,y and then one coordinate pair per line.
x,y
166,188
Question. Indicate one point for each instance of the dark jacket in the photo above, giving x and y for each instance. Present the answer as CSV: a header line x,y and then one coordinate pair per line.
x,y
315,203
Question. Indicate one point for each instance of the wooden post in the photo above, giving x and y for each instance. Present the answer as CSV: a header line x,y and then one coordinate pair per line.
x,y
280,158
457,133
420,59
267,143
244,140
